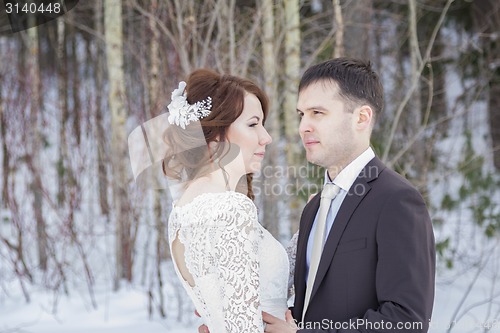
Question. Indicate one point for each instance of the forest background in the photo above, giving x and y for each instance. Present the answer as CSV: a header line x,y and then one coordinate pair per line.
x,y
75,225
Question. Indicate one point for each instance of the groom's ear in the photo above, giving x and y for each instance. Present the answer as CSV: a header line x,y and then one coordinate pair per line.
x,y
363,117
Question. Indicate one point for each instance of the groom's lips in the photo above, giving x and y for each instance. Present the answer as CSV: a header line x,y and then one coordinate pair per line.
x,y
310,142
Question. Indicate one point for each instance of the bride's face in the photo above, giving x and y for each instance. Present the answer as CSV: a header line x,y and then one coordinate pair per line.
x,y
248,132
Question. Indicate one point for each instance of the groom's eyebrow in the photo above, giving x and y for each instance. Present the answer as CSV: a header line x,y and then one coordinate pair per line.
x,y
312,108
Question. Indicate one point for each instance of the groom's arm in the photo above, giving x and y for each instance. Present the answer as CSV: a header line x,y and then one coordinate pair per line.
x,y
405,274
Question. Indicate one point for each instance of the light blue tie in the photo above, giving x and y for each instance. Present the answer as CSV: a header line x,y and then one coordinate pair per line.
x,y
329,193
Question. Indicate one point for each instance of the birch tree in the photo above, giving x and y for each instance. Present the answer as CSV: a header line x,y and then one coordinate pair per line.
x,y
292,78
159,197
269,52
338,50
119,155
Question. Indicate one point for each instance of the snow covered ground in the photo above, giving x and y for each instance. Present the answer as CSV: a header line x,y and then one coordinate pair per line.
x,y
125,311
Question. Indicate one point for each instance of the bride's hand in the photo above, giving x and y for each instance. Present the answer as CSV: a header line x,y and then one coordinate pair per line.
x,y
276,325
203,329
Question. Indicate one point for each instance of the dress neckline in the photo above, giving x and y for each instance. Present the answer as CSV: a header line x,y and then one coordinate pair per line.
x,y
205,194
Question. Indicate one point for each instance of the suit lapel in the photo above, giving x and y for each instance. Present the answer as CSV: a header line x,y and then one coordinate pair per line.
x,y
357,192
306,222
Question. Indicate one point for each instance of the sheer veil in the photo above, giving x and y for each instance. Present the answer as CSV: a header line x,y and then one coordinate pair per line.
x,y
167,156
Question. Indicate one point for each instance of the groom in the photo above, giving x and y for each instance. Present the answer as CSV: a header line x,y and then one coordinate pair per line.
x,y
365,258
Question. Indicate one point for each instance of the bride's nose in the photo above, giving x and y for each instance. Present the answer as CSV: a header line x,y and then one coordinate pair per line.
x,y
265,138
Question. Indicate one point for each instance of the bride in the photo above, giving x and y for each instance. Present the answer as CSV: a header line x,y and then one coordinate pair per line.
x,y
231,267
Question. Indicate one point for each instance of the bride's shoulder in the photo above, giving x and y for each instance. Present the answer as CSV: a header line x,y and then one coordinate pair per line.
x,y
217,200
236,201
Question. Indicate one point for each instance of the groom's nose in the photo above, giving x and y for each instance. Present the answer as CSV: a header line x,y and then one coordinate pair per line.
x,y
304,125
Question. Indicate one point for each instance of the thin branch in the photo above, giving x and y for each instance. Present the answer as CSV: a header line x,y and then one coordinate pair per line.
x,y
207,40
415,80
250,43
455,317
422,128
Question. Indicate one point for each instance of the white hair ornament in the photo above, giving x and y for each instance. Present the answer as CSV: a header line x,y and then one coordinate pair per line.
x,y
181,113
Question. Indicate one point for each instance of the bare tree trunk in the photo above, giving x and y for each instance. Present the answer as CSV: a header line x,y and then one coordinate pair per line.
x,y
433,103
357,19
114,57
5,155
227,38
161,246
486,15
154,90
338,51
99,121
270,181
494,115
75,84
292,78
182,49
33,157
414,119
154,74
62,71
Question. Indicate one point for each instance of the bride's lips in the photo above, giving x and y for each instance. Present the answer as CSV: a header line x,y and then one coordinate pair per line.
x,y
261,154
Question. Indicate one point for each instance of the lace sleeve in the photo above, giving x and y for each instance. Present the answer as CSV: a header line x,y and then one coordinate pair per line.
x,y
291,251
238,270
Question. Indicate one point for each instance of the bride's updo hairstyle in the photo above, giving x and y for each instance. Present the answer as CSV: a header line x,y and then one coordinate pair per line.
x,y
185,163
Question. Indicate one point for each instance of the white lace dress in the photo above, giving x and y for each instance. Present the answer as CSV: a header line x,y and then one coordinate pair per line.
x,y
238,267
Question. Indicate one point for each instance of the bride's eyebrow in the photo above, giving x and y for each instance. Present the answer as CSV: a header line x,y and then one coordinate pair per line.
x,y
257,118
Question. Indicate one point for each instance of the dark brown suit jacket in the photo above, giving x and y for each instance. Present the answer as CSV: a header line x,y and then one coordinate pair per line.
x,y
378,263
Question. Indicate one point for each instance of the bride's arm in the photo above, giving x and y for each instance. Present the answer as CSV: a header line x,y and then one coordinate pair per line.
x,y
238,271
291,250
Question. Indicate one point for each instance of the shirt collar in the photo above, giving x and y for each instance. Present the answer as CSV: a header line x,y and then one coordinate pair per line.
x,y
348,175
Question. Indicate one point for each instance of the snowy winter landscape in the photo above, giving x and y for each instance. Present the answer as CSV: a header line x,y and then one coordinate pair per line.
x,y
72,261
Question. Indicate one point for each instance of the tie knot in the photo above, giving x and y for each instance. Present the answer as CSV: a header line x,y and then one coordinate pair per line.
x,y
330,191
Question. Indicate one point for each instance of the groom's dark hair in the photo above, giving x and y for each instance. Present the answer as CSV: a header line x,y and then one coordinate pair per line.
x,y
357,82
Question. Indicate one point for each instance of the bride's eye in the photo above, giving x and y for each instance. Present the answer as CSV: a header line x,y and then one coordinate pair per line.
x,y
253,125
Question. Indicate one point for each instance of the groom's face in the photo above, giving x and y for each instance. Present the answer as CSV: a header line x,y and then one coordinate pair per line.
x,y
326,127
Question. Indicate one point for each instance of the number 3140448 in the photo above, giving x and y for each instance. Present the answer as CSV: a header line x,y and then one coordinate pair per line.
x,y
32,8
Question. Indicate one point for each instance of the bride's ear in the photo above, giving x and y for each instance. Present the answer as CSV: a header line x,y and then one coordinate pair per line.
x,y
212,147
